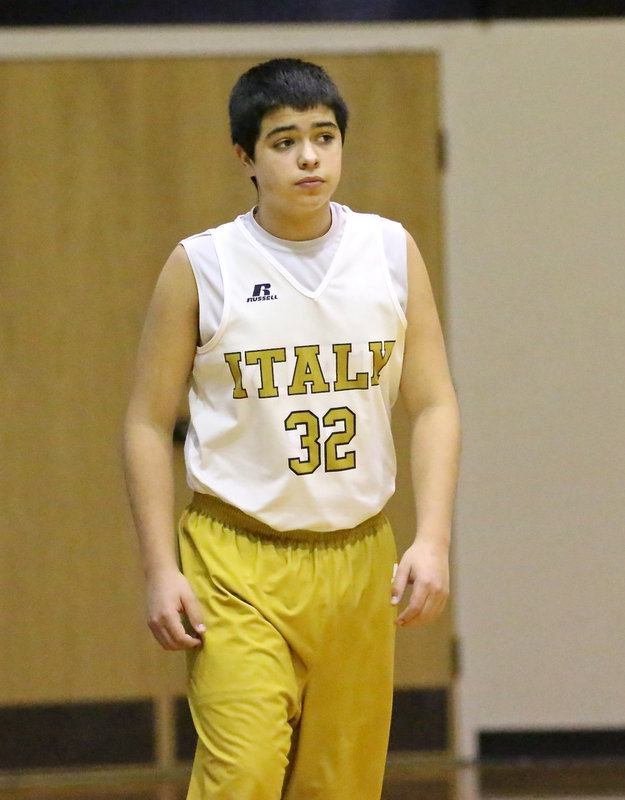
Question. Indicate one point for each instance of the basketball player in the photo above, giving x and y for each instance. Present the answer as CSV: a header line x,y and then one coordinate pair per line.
x,y
298,323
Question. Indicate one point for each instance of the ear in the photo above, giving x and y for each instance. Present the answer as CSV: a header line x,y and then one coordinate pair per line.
x,y
245,160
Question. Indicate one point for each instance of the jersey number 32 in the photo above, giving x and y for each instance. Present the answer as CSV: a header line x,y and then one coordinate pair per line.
x,y
308,425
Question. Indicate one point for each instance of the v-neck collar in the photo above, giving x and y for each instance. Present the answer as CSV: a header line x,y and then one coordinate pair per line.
x,y
284,272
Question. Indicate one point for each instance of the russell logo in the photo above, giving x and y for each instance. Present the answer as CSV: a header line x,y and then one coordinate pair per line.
x,y
262,291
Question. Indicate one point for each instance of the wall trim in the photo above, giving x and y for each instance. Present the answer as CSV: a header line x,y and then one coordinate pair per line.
x,y
420,720
193,41
77,734
599,743
262,40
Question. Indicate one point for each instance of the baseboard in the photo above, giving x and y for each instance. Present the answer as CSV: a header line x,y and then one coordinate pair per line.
x,y
594,743
70,735
76,734
420,721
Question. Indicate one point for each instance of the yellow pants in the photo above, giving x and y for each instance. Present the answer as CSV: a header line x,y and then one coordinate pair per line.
x,y
291,692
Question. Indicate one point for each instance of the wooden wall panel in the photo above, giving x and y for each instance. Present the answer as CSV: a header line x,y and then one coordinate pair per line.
x,y
105,165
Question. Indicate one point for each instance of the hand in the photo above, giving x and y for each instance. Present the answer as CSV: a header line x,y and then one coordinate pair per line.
x,y
170,596
425,565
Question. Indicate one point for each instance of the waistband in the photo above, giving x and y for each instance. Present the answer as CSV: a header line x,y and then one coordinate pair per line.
x,y
233,517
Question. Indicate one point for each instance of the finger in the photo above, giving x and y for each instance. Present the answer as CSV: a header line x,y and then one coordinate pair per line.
x,y
161,635
428,611
418,598
399,583
193,610
171,635
409,616
181,639
188,642
417,616
437,608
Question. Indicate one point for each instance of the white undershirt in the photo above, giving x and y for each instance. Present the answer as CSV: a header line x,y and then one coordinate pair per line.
x,y
306,261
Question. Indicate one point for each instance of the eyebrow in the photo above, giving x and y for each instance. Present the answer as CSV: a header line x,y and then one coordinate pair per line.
x,y
284,128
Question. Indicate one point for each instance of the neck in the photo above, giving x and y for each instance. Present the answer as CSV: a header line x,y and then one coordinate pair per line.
x,y
296,227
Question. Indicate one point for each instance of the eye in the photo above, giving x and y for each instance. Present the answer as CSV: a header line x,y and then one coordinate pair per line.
x,y
327,137
282,144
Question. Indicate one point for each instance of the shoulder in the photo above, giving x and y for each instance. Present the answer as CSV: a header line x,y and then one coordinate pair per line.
x,y
393,234
421,304
362,217
415,259
176,288
395,237
197,237
198,241
203,237
389,227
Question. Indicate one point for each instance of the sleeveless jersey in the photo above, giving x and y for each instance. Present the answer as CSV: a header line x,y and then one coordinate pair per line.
x,y
291,399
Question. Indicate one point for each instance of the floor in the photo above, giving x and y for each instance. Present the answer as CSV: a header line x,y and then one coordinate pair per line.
x,y
406,780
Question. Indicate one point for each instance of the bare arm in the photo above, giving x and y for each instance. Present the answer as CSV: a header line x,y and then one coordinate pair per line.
x,y
164,361
429,396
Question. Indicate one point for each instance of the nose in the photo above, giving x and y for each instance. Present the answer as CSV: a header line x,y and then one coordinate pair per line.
x,y
308,157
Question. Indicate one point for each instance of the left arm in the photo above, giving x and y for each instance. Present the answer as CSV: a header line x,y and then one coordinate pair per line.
x,y
429,396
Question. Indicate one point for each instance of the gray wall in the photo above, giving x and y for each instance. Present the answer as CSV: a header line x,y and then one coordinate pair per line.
x,y
536,266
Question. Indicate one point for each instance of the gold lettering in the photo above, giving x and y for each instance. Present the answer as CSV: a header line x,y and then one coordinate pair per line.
x,y
336,417
234,362
343,382
381,353
266,359
308,371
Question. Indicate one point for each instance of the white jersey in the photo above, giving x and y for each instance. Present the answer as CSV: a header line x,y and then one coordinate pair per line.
x,y
306,261
291,398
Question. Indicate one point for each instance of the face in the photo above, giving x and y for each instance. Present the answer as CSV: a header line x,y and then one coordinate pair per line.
x,y
297,161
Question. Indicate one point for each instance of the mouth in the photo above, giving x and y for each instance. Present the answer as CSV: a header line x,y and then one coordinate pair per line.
x,y
310,181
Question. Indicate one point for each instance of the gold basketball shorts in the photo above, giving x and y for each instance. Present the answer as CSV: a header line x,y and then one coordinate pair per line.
x,y
291,691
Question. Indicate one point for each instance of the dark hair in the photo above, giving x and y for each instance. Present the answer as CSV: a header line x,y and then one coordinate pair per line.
x,y
275,84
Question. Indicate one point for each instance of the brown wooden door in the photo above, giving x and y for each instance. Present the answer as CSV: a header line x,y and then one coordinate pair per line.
x,y
105,165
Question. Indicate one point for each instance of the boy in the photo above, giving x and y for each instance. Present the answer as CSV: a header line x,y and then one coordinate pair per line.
x,y
299,322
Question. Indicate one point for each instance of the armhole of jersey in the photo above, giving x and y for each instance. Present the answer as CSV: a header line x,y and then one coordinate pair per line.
x,y
387,272
199,281
225,312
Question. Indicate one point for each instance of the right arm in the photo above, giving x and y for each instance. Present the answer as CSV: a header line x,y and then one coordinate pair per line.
x,y
164,362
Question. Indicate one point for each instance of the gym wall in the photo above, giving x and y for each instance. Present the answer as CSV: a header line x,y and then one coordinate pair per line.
x,y
533,235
